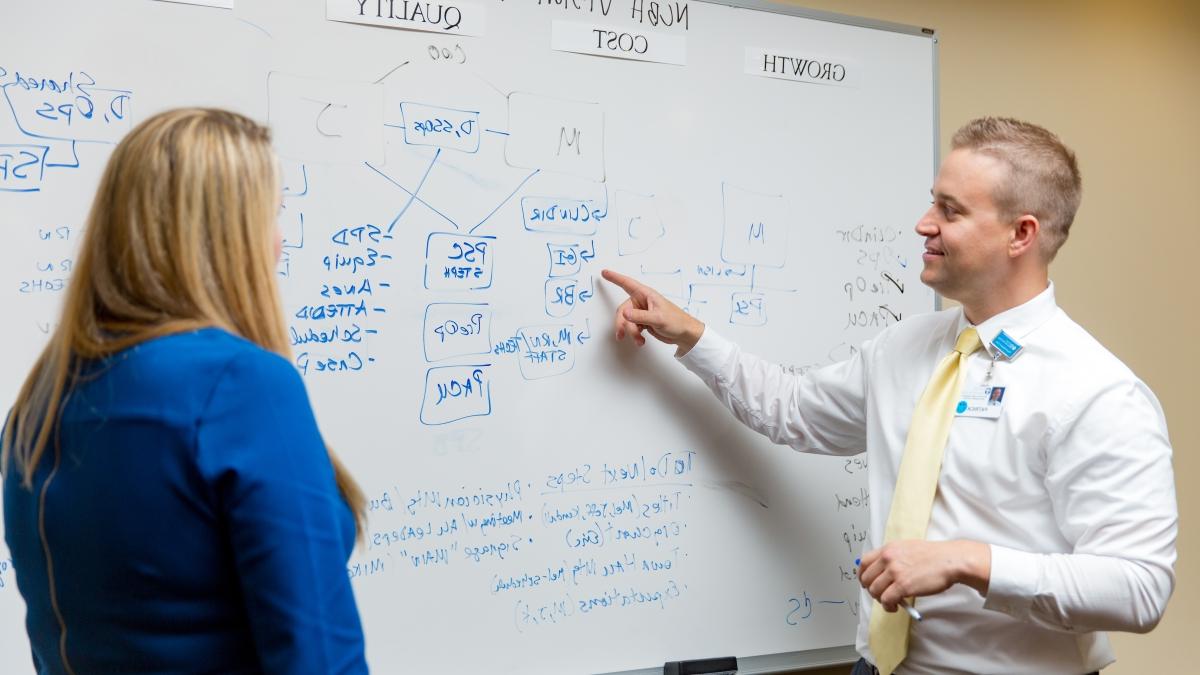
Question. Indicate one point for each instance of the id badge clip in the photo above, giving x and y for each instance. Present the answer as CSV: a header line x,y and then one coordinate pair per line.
x,y
1006,345
987,400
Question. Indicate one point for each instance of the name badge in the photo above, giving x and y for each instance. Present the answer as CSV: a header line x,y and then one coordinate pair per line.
x,y
1006,345
981,400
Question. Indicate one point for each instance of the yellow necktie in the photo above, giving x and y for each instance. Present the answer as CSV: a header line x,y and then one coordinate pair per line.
x,y
916,485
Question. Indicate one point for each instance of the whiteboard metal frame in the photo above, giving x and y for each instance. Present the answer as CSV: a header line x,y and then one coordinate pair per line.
x,y
829,17
783,662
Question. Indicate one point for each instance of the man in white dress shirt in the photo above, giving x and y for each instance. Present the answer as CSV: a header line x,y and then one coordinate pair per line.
x,y
1054,517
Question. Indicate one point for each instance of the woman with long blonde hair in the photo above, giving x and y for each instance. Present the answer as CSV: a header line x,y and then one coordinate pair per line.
x,y
169,503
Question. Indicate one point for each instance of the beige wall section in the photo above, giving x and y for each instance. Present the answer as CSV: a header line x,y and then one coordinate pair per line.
x,y
1120,82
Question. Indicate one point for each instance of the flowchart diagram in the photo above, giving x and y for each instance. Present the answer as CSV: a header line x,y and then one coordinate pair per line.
x,y
497,182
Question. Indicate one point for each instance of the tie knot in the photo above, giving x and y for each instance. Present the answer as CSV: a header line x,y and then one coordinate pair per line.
x,y
968,342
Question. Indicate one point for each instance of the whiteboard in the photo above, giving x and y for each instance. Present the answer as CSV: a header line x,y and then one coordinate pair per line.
x,y
543,499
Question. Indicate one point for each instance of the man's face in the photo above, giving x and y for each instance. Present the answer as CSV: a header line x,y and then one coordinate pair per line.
x,y
966,242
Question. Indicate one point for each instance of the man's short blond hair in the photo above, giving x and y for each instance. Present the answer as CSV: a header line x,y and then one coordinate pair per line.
x,y
1043,177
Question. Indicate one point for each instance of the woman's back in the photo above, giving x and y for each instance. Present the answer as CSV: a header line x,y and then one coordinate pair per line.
x,y
191,521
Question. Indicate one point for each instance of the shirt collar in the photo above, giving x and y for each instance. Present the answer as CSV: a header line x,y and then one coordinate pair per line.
x,y
1017,322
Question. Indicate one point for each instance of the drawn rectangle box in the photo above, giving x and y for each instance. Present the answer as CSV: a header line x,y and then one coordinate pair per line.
x,y
547,351
554,134
565,260
325,121
22,167
563,294
560,215
454,393
458,262
639,225
756,228
747,309
440,127
79,112
456,329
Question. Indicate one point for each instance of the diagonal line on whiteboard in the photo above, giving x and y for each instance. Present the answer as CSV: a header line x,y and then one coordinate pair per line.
x,y
254,25
518,189
505,94
391,71
413,197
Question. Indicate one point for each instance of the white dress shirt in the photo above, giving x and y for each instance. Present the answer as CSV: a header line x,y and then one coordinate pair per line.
x,y
1072,486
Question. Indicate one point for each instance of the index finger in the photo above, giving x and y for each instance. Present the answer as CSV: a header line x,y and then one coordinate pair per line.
x,y
627,284
865,573
869,557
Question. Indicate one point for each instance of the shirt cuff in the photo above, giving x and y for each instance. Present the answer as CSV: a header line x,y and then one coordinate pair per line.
x,y
1013,582
708,355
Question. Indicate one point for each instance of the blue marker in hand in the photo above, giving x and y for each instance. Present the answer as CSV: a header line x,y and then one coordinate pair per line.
x,y
916,616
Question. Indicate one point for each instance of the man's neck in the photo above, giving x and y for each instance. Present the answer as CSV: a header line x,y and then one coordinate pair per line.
x,y
1005,298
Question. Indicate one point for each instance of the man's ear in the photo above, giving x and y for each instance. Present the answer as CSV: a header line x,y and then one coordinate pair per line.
x,y
1024,239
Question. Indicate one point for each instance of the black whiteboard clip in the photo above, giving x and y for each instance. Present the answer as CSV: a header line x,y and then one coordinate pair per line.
x,y
724,665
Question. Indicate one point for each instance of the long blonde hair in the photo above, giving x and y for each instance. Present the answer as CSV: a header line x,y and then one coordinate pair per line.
x,y
180,237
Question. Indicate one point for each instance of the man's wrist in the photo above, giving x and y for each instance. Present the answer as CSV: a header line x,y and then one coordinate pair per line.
x,y
691,336
974,565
